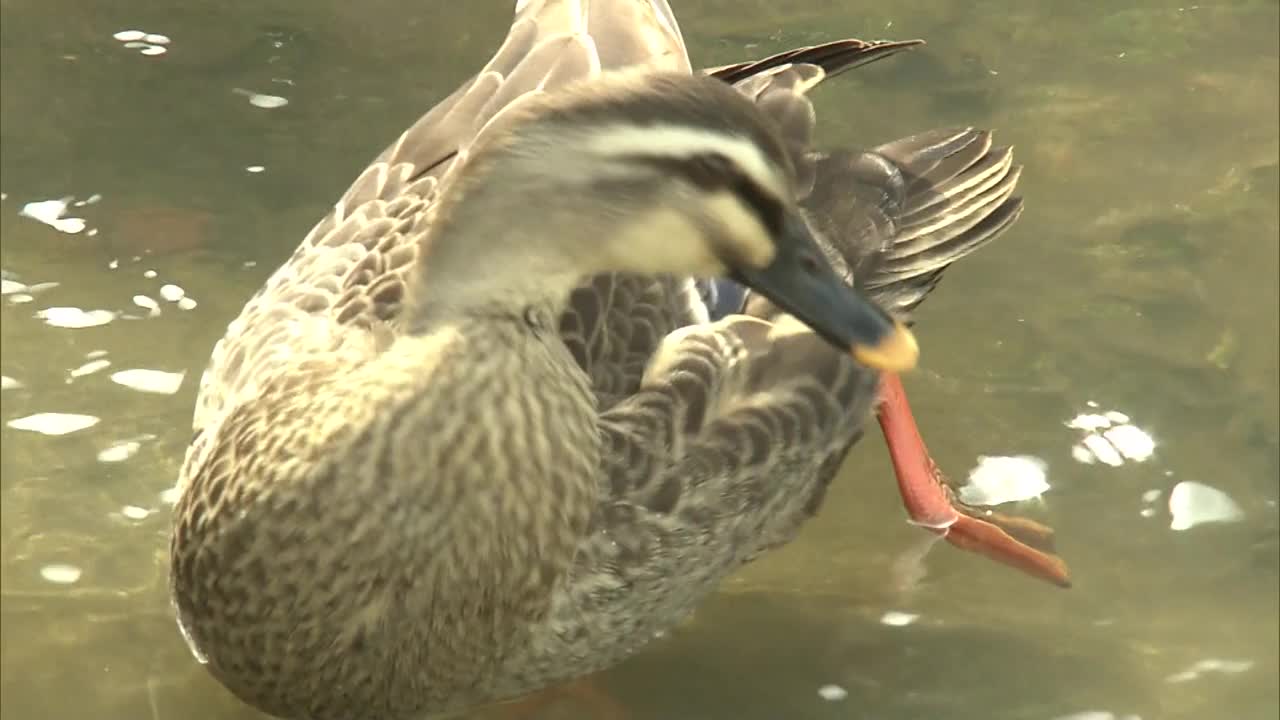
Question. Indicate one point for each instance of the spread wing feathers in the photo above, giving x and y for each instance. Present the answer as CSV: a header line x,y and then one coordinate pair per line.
x,y
946,193
893,218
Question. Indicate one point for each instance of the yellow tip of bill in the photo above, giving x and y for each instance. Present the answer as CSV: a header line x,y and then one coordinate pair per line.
x,y
897,352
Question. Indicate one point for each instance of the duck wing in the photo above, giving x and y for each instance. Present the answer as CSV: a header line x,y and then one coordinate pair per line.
x,y
892,219
899,215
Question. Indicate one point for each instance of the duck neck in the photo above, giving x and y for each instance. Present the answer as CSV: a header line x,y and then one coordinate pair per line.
x,y
457,286
515,448
488,255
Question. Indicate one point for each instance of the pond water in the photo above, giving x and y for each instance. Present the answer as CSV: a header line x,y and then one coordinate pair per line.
x,y
1141,281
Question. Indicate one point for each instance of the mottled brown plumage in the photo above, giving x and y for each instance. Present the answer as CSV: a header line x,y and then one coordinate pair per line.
x,y
450,453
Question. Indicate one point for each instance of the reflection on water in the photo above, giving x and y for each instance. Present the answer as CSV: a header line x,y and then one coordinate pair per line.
x,y
158,162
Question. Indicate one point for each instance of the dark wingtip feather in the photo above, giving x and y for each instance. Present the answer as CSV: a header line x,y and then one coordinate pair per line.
x,y
902,213
833,57
903,292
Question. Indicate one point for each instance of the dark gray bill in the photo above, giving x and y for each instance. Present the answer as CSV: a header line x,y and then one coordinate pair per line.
x,y
802,282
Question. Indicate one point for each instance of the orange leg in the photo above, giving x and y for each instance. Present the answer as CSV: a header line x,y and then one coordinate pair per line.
x,y
1017,542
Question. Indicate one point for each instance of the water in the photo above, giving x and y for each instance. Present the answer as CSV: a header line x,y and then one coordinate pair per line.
x,y
1142,278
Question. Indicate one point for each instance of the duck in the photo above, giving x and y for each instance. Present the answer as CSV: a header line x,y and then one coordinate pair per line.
x,y
587,338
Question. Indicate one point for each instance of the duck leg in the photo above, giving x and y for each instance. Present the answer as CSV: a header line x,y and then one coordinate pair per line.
x,y
1018,542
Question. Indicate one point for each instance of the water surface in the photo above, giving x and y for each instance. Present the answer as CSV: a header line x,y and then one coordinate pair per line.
x,y
1142,279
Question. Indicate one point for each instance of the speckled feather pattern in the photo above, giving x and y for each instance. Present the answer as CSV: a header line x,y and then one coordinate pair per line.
x,y
379,524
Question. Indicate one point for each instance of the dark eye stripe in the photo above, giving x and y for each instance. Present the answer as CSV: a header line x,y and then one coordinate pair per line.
x,y
761,202
712,171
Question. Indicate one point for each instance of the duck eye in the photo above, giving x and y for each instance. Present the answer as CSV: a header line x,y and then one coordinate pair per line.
x,y
809,263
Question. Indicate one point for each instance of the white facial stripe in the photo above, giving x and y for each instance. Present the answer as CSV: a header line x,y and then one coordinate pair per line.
x,y
660,242
739,222
679,141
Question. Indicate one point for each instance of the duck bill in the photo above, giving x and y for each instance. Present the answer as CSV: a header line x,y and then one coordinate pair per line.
x,y
801,282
